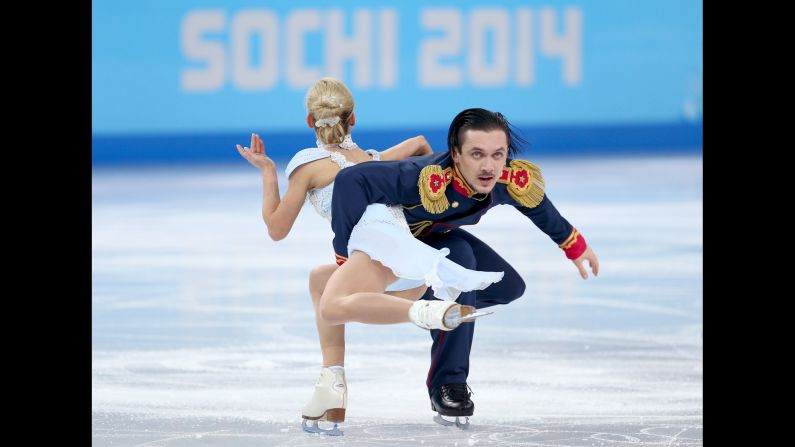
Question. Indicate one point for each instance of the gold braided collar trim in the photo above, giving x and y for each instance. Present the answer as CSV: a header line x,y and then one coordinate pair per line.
x,y
432,184
525,182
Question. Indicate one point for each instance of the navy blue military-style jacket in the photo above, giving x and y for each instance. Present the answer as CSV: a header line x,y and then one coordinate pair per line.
x,y
436,198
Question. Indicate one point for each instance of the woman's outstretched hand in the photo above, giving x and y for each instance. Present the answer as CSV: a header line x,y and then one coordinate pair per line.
x,y
256,154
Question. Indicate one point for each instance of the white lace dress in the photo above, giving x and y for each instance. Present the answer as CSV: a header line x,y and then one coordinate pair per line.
x,y
383,234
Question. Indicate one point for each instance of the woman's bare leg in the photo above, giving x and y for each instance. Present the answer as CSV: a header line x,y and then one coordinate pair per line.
x,y
410,294
355,292
332,337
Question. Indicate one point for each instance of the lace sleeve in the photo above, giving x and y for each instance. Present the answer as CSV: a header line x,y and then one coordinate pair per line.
x,y
374,153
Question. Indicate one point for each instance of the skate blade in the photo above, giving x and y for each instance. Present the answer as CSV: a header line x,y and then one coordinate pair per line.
x,y
335,431
463,314
442,421
471,317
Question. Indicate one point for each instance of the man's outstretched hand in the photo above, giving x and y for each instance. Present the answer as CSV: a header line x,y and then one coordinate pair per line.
x,y
590,256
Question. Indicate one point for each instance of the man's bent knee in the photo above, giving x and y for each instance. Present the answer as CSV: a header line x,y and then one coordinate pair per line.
x,y
517,289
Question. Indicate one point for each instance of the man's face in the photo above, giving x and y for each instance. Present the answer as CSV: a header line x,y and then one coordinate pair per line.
x,y
482,157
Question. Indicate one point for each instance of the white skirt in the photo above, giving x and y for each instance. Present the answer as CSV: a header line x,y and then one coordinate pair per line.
x,y
383,234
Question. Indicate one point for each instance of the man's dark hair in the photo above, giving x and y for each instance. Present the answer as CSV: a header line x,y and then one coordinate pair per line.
x,y
485,120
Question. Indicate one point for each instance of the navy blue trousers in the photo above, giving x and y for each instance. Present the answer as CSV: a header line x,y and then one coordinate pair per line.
x,y
450,350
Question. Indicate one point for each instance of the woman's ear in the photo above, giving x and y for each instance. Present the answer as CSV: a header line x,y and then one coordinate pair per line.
x,y
309,121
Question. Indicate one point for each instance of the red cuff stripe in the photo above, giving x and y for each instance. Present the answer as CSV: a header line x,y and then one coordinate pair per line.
x,y
574,246
339,259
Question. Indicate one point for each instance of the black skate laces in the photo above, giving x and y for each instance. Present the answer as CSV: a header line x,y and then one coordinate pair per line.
x,y
457,391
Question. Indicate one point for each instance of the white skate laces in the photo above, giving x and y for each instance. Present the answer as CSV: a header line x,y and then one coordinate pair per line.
x,y
328,402
434,314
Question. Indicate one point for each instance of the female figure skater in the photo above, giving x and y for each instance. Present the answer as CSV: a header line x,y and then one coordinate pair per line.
x,y
311,173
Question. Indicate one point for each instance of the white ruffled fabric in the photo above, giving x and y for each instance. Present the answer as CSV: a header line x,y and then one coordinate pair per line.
x,y
383,233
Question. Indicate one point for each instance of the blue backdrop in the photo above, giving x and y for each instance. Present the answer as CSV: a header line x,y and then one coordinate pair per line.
x,y
188,80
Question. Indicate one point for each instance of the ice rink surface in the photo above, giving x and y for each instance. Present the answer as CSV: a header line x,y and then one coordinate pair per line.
x,y
203,332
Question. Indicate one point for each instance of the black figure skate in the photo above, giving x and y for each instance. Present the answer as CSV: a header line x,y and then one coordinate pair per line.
x,y
452,401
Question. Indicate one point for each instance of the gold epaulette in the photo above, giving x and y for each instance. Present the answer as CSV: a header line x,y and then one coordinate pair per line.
x,y
525,183
432,184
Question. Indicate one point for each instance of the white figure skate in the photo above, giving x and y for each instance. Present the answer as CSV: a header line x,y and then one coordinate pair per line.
x,y
328,402
444,315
